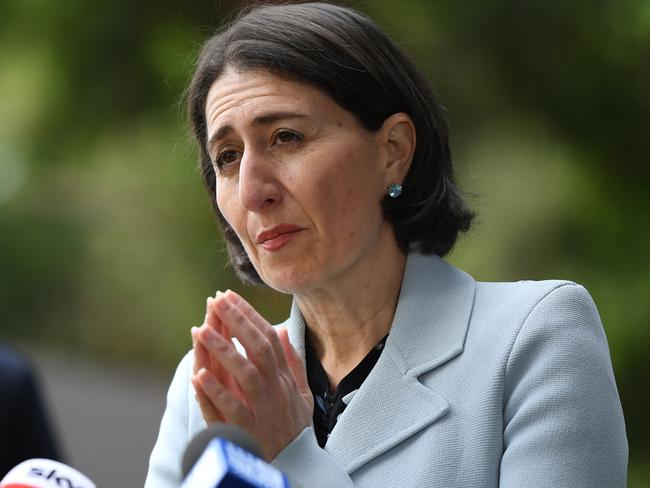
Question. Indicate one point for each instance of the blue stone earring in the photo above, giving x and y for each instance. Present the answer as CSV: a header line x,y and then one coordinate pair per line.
x,y
394,190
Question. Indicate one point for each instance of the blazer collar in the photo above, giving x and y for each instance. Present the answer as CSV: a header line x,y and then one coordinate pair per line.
x,y
432,314
429,329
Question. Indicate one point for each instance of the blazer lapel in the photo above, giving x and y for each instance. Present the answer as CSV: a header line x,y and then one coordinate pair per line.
x,y
428,330
388,408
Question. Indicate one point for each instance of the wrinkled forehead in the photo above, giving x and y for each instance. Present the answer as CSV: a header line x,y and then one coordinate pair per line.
x,y
238,91
237,98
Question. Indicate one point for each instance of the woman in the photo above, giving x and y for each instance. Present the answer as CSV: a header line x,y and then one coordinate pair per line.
x,y
328,160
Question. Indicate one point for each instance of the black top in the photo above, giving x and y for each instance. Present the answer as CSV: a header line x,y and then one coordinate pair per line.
x,y
327,405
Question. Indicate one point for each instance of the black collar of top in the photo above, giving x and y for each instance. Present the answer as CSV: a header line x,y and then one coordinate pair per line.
x,y
328,406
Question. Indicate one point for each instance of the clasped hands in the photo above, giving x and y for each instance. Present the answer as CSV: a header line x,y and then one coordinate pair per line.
x,y
265,392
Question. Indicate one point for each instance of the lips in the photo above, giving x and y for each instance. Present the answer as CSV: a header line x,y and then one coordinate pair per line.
x,y
275,238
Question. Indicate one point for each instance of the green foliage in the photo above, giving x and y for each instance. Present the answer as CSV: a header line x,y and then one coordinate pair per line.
x,y
107,242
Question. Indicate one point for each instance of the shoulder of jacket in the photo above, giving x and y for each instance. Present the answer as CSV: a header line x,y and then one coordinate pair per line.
x,y
507,306
525,293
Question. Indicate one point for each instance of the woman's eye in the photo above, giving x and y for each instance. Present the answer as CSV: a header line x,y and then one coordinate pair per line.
x,y
285,136
227,157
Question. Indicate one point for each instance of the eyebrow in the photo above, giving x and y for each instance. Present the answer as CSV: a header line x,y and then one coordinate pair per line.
x,y
264,119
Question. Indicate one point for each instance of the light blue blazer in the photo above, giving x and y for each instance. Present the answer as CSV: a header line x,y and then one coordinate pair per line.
x,y
480,385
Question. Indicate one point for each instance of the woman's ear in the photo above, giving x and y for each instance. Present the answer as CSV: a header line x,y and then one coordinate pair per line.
x,y
397,135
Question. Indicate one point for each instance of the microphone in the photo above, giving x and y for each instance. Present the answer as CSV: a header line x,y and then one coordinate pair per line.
x,y
45,473
224,456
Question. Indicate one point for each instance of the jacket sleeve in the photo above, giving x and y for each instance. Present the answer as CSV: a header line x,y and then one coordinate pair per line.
x,y
165,461
563,422
308,466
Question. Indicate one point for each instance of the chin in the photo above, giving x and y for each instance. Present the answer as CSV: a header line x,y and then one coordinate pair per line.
x,y
288,279
285,284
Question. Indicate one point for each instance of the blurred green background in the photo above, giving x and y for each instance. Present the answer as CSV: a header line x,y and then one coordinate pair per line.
x,y
108,247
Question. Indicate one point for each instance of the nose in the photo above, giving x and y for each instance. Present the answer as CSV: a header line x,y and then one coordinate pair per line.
x,y
258,183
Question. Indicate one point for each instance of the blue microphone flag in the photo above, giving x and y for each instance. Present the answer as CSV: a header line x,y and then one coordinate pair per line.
x,y
226,465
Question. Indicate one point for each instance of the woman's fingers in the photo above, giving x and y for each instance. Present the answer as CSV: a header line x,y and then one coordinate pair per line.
x,y
212,318
203,358
254,333
246,382
266,391
209,411
221,400
260,323
201,355
295,363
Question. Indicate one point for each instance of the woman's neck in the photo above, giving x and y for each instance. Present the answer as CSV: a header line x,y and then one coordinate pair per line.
x,y
348,318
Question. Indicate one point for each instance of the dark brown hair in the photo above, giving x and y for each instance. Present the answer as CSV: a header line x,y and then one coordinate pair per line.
x,y
343,53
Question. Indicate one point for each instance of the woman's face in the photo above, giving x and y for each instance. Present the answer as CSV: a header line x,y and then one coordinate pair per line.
x,y
297,178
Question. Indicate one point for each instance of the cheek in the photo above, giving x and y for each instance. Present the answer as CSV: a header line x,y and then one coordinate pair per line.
x,y
347,203
228,206
222,201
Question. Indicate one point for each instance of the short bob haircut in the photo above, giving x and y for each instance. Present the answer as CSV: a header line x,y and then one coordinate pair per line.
x,y
344,54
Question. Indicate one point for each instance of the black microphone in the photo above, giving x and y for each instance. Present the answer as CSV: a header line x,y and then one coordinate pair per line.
x,y
226,456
